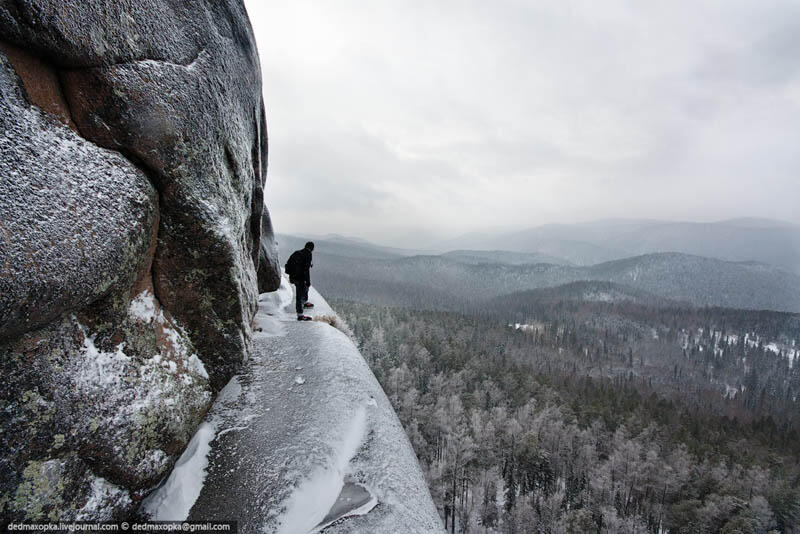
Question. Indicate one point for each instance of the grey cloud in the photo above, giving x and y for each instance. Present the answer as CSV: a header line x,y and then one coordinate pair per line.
x,y
457,115
328,173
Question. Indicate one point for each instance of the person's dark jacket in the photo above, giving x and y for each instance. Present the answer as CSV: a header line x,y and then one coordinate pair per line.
x,y
303,271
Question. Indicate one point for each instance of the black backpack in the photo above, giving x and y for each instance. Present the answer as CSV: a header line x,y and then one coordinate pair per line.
x,y
292,266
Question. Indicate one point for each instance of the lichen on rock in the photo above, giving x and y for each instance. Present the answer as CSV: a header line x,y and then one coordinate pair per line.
x,y
123,400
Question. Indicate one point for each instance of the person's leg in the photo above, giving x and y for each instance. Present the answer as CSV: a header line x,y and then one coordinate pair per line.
x,y
305,294
298,302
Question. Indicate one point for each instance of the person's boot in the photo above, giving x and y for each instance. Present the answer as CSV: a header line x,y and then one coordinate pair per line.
x,y
308,305
304,318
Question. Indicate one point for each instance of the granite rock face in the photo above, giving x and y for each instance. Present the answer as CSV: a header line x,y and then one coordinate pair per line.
x,y
269,269
133,237
76,220
175,86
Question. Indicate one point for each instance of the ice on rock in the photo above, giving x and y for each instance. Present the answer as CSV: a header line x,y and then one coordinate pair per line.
x,y
353,500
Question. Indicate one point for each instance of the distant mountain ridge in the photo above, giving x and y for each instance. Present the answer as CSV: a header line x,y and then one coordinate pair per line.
x,y
503,256
744,239
351,248
460,279
586,291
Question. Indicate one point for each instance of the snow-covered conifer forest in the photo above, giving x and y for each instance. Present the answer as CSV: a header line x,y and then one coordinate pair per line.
x,y
645,420
587,406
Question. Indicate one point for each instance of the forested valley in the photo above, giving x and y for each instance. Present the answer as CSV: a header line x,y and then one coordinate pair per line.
x,y
561,415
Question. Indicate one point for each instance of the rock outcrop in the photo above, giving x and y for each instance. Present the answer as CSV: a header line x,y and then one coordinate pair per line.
x,y
269,269
133,241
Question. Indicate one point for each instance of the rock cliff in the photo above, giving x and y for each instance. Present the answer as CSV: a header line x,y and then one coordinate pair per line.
x,y
133,241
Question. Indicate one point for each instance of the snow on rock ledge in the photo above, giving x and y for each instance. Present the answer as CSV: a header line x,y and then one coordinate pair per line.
x,y
305,421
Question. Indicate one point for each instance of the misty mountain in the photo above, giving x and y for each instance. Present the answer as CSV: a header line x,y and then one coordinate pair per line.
x,y
583,291
448,282
503,256
746,239
335,245
705,281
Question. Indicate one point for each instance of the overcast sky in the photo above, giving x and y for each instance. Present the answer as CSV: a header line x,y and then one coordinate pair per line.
x,y
404,121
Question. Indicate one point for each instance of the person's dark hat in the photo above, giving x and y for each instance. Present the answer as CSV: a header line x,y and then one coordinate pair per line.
x,y
310,245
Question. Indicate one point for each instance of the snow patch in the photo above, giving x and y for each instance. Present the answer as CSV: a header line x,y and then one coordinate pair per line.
x,y
536,327
265,325
102,368
194,365
599,296
231,391
104,498
173,500
313,498
276,302
143,307
175,496
272,308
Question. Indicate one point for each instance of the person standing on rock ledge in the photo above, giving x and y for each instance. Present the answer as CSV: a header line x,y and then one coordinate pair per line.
x,y
298,267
